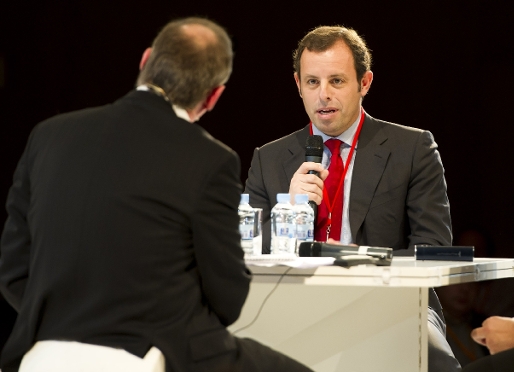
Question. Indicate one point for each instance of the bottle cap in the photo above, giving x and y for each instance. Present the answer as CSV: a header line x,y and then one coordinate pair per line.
x,y
245,198
301,198
283,198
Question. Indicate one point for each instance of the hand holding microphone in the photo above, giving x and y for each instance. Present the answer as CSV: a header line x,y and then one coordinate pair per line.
x,y
309,178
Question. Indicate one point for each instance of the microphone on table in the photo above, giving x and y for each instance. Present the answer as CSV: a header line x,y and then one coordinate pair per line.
x,y
314,153
347,255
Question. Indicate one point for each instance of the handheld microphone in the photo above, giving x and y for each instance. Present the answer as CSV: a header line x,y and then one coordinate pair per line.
x,y
314,153
314,150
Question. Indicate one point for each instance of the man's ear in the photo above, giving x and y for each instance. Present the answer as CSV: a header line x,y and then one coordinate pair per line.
x,y
367,78
213,97
297,80
144,58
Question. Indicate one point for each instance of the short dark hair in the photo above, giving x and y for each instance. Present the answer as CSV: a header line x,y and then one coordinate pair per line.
x,y
324,37
188,66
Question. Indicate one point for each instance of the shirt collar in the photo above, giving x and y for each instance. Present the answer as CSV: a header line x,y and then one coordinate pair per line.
x,y
180,112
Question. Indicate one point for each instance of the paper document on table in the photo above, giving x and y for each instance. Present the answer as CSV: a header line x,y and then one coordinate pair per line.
x,y
290,260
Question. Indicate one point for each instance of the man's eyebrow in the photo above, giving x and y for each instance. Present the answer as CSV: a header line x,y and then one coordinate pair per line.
x,y
310,76
339,75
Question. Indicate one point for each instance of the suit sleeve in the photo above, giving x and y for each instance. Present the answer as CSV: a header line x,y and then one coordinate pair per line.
x,y
16,240
215,224
428,208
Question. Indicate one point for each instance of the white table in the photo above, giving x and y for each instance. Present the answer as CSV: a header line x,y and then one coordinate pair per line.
x,y
363,319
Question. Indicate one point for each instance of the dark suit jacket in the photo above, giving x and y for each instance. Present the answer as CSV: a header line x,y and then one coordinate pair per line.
x,y
123,231
398,194
501,362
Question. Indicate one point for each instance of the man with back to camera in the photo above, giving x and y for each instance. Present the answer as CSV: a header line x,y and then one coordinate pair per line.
x,y
121,250
385,183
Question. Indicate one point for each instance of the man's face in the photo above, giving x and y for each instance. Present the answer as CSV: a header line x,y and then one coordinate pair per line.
x,y
329,88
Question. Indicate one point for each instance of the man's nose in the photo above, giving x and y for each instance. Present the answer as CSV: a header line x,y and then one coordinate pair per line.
x,y
325,92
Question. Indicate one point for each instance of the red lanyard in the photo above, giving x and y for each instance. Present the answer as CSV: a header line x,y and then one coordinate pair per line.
x,y
346,165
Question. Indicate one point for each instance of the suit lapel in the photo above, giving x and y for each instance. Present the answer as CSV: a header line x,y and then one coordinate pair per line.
x,y
370,161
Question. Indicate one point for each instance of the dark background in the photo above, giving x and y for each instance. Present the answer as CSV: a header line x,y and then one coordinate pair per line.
x,y
444,66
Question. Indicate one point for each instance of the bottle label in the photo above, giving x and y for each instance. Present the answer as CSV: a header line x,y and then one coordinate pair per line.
x,y
246,232
285,230
304,232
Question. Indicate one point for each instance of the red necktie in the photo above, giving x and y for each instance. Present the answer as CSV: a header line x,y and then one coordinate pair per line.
x,y
331,184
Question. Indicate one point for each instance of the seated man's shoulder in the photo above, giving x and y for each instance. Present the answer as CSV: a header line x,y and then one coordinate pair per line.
x,y
403,135
397,128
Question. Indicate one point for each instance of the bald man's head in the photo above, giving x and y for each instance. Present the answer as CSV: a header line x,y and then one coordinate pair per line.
x,y
189,58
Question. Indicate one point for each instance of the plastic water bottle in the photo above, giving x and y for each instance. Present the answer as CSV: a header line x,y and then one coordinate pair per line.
x,y
304,218
246,224
283,229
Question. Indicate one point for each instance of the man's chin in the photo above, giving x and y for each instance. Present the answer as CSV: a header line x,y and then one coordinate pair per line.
x,y
329,128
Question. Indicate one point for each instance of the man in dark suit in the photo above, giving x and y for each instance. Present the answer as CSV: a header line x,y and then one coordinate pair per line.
x,y
121,250
390,188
